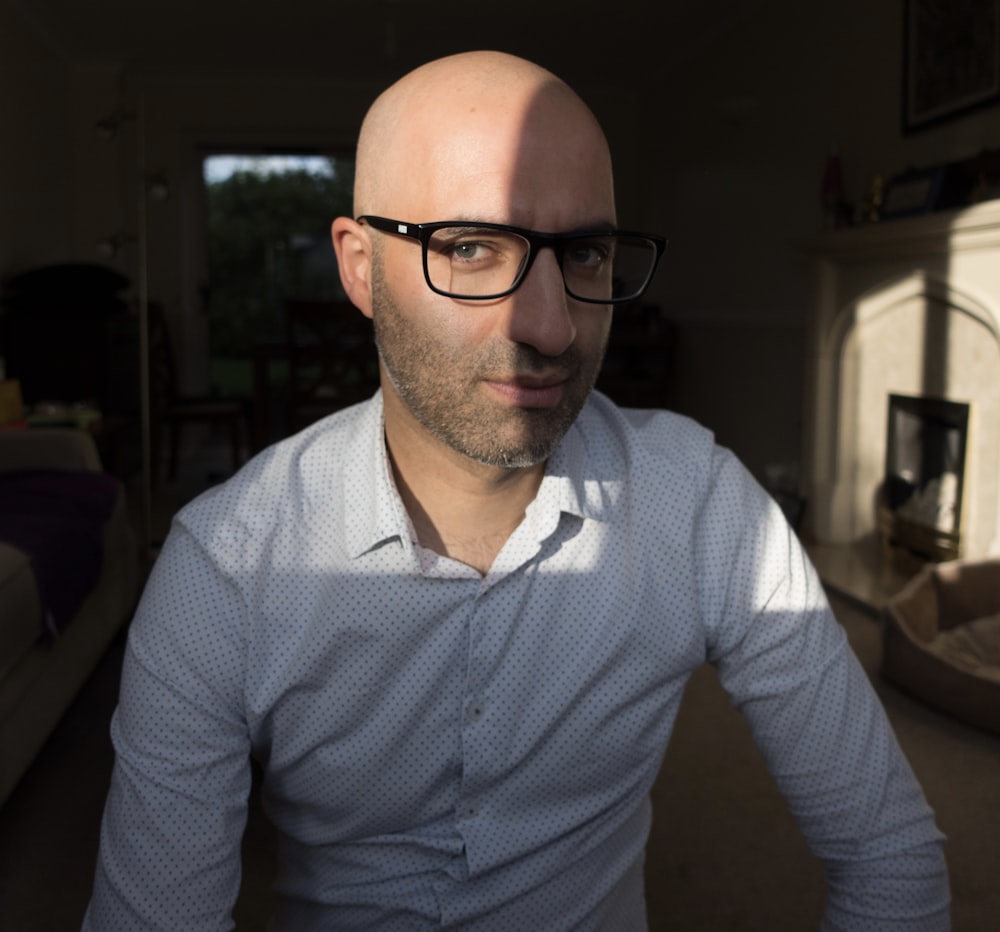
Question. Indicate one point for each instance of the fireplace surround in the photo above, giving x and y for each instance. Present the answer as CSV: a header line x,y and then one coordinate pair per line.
x,y
907,307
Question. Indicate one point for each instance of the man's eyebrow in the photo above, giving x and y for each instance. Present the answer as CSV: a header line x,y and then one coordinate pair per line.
x,y
600,226
597,226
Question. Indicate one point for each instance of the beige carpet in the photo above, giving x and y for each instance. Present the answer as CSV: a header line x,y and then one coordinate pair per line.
x,y
724,853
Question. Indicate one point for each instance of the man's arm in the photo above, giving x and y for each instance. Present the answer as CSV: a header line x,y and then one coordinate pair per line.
x,y
785,660
170,837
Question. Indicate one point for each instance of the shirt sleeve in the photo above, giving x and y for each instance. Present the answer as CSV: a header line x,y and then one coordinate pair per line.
x,y
172,826
786,663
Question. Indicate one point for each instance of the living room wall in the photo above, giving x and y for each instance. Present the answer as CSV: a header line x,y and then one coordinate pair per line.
x,y
35,158
740,130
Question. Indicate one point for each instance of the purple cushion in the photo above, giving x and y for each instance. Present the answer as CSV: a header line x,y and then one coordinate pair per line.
x,y
57,518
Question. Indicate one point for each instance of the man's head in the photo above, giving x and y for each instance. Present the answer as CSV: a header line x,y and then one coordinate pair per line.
x,y
491,138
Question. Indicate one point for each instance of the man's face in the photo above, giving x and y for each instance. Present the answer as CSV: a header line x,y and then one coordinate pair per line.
x,y
498,381
496,401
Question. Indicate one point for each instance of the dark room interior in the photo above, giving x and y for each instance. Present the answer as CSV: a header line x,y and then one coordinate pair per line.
x,y
832,206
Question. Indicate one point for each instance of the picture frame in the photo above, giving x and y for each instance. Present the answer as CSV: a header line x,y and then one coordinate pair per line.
x,y
951,59
912,192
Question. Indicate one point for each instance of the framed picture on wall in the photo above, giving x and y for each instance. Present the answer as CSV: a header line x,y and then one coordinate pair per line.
x,y
951,59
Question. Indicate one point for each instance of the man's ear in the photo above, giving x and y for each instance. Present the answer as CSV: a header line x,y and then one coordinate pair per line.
x,y
354,259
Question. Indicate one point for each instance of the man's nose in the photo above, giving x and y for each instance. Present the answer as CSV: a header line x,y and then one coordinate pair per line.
x,y
539,311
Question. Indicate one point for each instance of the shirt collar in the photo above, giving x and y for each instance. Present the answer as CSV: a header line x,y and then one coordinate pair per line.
x,y
571,485
378,517
573,473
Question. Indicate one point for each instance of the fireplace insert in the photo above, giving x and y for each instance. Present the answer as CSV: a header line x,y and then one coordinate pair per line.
x,y
921,504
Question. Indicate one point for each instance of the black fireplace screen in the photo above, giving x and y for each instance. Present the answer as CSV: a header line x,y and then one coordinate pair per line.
x,y
925,461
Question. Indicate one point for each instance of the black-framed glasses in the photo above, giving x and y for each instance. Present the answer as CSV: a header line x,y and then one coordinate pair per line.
x,y
482,261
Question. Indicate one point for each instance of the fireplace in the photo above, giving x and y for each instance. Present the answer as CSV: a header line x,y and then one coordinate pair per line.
x,y
908,310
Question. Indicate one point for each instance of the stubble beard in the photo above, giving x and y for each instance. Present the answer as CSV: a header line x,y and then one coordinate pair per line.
x,y
443,395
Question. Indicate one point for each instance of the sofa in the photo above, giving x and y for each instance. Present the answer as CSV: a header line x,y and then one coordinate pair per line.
x,y
941,639
69,579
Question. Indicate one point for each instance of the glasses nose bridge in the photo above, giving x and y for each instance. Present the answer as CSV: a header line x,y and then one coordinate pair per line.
x,y
536,243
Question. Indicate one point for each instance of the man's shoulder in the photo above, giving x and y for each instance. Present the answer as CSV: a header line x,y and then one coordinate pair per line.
x,y
646,436
290,482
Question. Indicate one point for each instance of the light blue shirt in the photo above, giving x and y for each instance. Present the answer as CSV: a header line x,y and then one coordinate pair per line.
x,y
443,749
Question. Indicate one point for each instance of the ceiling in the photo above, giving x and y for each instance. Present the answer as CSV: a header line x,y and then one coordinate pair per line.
x,y
372,38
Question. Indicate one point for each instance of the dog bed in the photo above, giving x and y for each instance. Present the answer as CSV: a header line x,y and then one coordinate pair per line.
x,y
941,639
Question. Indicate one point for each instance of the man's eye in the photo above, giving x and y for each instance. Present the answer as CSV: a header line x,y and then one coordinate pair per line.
x,y
593,255
479,252
467,252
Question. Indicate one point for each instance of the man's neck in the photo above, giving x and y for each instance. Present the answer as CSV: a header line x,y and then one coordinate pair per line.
x,y
460,508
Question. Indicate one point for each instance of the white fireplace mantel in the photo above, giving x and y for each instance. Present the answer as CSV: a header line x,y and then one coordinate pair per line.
x,y
908,306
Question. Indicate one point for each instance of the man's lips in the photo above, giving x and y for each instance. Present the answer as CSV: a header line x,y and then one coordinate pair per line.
x,y
529,391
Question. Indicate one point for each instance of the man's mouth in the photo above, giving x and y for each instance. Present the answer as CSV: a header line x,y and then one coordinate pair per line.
x,y
530,391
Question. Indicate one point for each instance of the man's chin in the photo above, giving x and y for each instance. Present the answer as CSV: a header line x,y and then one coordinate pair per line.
x,y
510,459
527,449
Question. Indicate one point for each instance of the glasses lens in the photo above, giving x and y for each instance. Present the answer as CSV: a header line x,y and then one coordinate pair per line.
x,y
471,262
608,268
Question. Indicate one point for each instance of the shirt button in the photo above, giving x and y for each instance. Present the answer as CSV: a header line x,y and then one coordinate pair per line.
x,y
476,711
468,811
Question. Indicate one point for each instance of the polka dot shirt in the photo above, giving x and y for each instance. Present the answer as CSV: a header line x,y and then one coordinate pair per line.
x,y
448,750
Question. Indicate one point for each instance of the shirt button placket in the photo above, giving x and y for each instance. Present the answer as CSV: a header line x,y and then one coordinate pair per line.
x,y
467,810
474,714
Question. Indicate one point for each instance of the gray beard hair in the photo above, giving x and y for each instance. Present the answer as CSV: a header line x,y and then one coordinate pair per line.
x,y
407,361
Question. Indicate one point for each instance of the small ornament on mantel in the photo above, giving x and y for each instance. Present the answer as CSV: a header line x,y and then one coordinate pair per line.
x,y
874,199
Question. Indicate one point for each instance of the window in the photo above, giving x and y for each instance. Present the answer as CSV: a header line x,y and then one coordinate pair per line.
x,y
267,239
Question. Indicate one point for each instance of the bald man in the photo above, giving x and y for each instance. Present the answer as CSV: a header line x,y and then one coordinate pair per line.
x,y
480,391
453,624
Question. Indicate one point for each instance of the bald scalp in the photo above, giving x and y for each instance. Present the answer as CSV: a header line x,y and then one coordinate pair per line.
x,y
492,85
